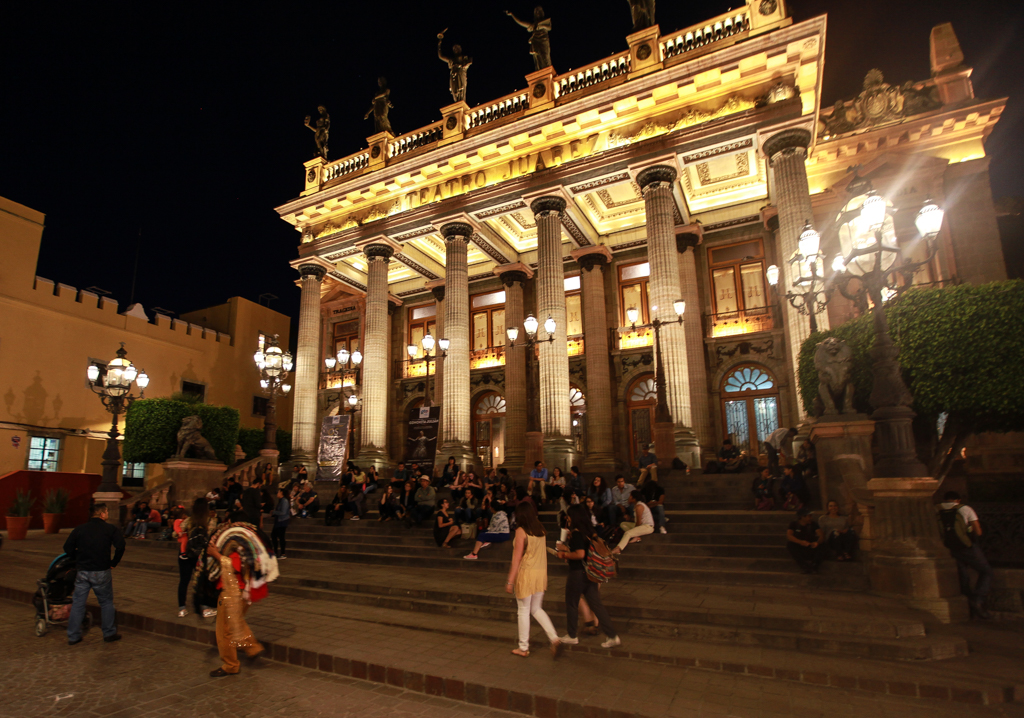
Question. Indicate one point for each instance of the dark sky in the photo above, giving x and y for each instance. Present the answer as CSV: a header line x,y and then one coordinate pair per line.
x,y
185,121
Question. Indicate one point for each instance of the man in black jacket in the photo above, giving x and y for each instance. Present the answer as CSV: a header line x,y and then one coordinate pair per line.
x,y
251,501
89,547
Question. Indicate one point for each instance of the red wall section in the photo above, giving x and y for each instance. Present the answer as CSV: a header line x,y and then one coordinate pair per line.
x,y
80,487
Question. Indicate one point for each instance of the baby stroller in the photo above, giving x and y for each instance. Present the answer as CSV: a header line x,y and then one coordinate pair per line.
x,y
53,597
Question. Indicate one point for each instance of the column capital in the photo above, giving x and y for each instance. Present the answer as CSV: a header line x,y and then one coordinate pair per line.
x,y
590,257
378,252
770,218
315,270
438,293
656,176
548,203
686,241
786,142
457,230
514,272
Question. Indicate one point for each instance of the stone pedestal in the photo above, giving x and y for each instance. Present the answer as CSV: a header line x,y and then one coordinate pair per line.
x,y
908,560
837,438
192,478
112,500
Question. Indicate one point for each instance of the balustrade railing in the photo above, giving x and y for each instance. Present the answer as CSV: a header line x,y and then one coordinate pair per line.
x,y
339,379
414,140
574,345
698,36
483,358
346,165
630,338
595,74
747,321
492,111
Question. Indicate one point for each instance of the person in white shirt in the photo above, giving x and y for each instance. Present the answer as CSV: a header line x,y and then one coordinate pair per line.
x,y
778,443
961,532
641,525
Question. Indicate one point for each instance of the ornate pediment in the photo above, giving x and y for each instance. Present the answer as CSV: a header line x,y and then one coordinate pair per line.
x,y
879,104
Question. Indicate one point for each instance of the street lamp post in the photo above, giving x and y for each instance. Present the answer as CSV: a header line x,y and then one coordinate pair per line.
x,y
867,238
340,363
808,295
114,391
274,365
428,356
530,325
662,415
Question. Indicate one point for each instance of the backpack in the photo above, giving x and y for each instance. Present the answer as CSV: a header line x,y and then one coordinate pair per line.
x,y
953,529
598,564
197,540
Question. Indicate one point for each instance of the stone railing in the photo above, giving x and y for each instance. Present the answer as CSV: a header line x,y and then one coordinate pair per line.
x,y
414,140
595,74
347,165
698,36
630,338
743,322
504,107
484,358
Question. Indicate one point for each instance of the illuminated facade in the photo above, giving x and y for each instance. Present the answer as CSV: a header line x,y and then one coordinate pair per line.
x,y
676,170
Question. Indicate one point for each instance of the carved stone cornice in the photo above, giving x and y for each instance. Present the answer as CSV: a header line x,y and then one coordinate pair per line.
x,y
438,293
656,176
376,252
457,230
307,270
588,262
787,142
543,205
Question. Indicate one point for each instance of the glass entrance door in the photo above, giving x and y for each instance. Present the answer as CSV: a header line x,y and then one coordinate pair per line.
x,y
750,407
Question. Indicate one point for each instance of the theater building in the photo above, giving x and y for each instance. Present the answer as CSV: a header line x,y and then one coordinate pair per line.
x,y
665,178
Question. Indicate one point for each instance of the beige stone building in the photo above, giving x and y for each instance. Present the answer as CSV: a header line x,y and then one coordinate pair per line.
x,y
677,170
51,332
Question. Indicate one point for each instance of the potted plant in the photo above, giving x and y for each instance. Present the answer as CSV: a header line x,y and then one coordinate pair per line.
x,y
18,515
55,502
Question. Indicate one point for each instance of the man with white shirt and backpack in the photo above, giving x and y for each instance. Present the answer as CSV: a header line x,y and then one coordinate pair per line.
x,y
961,532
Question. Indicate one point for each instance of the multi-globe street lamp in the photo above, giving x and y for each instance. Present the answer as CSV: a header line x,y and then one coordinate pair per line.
x,y
274,365
114,391
809,294
661,411
342,362
428,356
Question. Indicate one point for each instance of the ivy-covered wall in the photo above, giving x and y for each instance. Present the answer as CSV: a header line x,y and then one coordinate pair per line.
x,y
151,429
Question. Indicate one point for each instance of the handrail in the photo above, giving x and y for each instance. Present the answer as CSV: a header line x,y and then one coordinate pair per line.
x,y
347,165
414,140
496,110
697,36
601,71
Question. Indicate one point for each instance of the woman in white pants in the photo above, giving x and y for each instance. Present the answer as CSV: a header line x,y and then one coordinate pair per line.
x,y
528,576
641,525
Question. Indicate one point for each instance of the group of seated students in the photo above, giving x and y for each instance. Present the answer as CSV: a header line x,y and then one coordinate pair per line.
x,y
810,542
792,492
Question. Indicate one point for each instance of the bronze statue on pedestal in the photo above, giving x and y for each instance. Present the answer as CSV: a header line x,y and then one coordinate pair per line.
x,y
380,107
643,13
321,131
458,64
540,45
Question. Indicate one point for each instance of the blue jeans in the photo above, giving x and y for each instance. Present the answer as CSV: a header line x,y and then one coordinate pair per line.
x,y
973,558
659,515
466,516
100,582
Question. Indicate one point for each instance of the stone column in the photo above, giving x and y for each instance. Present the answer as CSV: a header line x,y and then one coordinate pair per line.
x,y
307,368
786,153
664,290
437,390
555,419
600,442
375,352
516,395
700,410
455,409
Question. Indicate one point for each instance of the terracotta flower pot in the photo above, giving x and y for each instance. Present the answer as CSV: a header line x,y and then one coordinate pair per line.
x,y
51,523
17,527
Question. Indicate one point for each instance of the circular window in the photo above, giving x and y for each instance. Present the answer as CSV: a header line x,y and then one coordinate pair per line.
x,y
748,378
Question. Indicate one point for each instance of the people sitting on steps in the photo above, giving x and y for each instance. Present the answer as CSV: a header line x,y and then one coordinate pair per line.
x,y
556,485
642,522
805,542
648,464
426,500
388,507
537,485
761,487
654,498
601,496
308,502
793,485
497,532
840,538
730,460
778,446
468,510
619,507
446,528
407,502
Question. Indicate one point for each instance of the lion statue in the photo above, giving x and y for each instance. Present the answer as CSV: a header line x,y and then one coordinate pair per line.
x,y
189,438
834,361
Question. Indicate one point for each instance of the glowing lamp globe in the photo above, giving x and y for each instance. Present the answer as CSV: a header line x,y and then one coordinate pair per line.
x,y
632,314
343,356
513,334
679,306
549,325
867,241
143,380
93,372
929,219
809,241
530,324
411,350
357,358
428,343
289,363
773,275
444,344
273,361
330,362
353,400
285,388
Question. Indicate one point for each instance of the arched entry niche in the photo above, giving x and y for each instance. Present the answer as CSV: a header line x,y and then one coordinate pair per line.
x,y
641,399
489,428
578,408
750,406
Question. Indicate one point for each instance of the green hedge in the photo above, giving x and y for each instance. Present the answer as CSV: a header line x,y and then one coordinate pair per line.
x,y
960,348
251,441
151,429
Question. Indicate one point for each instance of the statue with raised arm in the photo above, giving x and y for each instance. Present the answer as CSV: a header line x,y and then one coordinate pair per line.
x,y
540,45
321,131
458,64
643,13
380,107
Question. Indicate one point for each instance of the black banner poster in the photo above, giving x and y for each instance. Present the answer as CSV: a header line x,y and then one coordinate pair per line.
x,y
333,444
421,446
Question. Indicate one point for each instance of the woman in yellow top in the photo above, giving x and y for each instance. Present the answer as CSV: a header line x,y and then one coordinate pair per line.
x,y
529,577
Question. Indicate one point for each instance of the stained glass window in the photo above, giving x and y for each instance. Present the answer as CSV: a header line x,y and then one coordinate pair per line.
x,y
576,398
491,404
748,378
645,390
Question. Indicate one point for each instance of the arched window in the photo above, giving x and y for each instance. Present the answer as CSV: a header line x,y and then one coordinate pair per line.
x,y
577,402
750,400
641,399
489,428
644,390
578,409
490,404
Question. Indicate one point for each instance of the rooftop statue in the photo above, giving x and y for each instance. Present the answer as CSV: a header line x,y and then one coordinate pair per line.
x,y
380,107
643,13
321,131
540,46
458,64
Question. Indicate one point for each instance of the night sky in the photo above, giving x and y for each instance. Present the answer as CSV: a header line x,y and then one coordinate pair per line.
x,y
184,121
